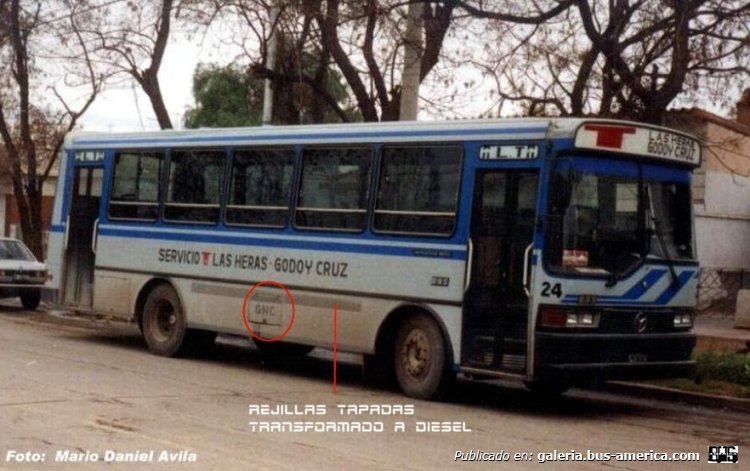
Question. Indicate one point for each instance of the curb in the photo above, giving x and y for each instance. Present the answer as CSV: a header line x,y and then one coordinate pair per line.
x,y
676,395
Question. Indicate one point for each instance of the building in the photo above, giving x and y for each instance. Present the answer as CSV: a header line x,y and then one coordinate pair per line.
x,y
721,199
10,219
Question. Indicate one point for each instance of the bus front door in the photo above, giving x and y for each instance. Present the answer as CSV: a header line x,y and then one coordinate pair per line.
x,y
80,250
495,320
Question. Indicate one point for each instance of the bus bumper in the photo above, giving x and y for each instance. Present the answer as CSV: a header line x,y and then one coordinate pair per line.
x,y
584,357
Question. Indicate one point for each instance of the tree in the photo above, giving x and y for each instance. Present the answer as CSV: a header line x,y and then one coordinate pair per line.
x,y
225,97
232,95
133,40
622,58
319,96
362,40
32,132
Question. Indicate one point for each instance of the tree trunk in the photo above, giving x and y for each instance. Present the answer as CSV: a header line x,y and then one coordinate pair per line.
x,y
153,90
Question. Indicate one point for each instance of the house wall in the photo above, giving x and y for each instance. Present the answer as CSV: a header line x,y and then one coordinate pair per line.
x,y
723,221
721,192
9,215
12,226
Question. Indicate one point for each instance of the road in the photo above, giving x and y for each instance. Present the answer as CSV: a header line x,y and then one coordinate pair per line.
x,y
91,390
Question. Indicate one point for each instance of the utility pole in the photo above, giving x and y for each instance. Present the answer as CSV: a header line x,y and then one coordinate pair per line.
x,y
267,119
413,52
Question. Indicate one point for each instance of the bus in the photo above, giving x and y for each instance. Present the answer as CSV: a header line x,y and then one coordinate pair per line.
x,y
548,251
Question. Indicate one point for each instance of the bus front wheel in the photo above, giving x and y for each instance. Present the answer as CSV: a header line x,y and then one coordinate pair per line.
x,y
164,322
421,361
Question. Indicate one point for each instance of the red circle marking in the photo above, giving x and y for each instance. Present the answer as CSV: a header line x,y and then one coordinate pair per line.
x,y
244,311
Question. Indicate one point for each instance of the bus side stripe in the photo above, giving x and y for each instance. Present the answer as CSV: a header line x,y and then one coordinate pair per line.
x,y
331,246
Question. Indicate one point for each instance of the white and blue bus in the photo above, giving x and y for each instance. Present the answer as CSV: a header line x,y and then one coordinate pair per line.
x,y
551,251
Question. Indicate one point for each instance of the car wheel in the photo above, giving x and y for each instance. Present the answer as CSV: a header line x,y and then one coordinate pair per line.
x,y
30,298
421,359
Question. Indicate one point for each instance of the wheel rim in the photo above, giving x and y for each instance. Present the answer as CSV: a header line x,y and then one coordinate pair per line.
x,y
165,321
415,354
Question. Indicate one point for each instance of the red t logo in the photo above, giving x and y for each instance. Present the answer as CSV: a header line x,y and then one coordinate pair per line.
x,y
609,136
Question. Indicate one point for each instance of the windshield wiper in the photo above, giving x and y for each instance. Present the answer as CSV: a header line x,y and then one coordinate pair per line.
x,y
651,216
614,276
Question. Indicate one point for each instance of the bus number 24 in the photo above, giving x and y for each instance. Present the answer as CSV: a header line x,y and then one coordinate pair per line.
x,y
550,289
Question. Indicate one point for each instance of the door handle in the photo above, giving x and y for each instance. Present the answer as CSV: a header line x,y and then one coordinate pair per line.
x,y
95,236
469,263
526,271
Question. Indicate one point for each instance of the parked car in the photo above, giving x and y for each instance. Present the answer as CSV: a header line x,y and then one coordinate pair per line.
x,y
20,273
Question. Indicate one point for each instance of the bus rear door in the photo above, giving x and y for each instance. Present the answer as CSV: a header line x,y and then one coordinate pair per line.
x,y
83,198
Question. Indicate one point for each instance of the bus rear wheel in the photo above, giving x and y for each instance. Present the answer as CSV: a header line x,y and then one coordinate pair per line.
x,y
164,322
421,360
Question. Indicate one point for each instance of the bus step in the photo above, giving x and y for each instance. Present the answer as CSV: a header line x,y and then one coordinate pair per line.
x,y
483,354
483,359
514,362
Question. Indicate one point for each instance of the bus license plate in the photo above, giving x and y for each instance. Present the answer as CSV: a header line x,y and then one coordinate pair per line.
x,y
637,358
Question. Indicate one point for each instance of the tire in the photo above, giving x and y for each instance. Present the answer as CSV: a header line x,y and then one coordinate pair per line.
x,y
421,359
30,298
164,322
282,349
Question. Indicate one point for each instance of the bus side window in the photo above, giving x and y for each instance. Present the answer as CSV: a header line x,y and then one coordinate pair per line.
x,y
333,189
418,190
259,188
135,186
194,189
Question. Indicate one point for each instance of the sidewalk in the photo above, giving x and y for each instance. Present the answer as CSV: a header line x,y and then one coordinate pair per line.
x,y
717,332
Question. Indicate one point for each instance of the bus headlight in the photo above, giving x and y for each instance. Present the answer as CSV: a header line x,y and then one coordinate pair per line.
x,y
559,319
582,319
683,320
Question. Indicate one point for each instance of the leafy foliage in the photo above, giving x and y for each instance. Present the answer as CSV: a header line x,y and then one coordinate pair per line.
x,y
225,97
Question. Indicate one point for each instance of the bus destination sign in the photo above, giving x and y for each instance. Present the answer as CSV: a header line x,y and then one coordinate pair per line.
x,y
509,152
640,140
89,156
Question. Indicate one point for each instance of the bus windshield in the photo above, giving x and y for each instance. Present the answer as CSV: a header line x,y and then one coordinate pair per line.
x,y
605,219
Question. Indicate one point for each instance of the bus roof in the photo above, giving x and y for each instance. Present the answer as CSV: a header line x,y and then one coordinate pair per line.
x,y
515,129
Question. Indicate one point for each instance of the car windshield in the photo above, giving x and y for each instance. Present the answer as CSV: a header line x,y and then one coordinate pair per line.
x,y
604,222
14,250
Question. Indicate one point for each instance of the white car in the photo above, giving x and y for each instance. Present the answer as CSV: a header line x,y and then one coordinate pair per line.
x,y
20,273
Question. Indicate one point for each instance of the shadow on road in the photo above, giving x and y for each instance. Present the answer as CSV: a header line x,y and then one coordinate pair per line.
x,y
492,395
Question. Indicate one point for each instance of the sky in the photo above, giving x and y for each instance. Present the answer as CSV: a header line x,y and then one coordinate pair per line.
x,y
124,106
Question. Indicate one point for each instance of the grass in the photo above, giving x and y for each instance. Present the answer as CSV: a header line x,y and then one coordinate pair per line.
x,y
724,373
723,366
